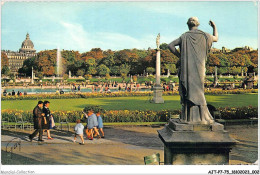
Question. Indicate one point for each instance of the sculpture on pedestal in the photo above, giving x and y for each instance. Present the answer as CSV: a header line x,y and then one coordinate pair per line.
x,y
157,89
194,138
194,46
32,77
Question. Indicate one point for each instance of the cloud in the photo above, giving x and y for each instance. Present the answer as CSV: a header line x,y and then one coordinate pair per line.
x,y
73,36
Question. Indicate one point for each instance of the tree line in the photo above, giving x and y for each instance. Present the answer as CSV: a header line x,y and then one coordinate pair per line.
x,y
124,62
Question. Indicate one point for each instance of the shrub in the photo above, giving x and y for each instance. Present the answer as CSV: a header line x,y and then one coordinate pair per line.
x,y
117,94
130,116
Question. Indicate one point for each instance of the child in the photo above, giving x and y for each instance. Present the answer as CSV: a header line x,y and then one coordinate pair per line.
x,y
100,123
79,131
91,124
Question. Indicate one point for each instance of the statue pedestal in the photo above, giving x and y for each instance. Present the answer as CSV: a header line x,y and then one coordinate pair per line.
x,y
157,94
195,144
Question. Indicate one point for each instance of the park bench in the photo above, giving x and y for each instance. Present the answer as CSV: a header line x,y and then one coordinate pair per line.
x,y
152,159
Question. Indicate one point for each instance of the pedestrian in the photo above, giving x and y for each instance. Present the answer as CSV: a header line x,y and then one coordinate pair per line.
x,y
49,118
5,92
79,88
100,122
79,132
38,120
92,123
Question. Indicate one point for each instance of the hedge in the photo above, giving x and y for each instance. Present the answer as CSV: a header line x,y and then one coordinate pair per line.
x,y
117,94
132,116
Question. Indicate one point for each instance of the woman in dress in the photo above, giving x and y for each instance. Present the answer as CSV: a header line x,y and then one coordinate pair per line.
x,y
48,116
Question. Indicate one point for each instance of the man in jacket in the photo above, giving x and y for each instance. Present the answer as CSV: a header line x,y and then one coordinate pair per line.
x,y
38,119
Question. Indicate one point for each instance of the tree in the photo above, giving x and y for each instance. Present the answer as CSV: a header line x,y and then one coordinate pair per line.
x,y
12,76
4,60
124,69
210,69
91,66
107,77
222,70
124,76
27,66
103,70
65,77
5,70
95,53
135,78
115,70
80,72
39,75
213,60
88,76
171,67
45,62
150,70
164,46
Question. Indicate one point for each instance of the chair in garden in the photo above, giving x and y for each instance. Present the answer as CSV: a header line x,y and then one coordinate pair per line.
x,y
152,159
11,121
5,122
29,122
64,121
19,121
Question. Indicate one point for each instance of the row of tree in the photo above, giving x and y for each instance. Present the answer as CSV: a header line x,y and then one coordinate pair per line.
x,y
124,62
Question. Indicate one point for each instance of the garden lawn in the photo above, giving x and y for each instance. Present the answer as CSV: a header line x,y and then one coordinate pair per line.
x,y
132,103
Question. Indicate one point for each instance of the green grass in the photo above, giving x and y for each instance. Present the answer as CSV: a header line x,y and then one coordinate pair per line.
x,y
133,103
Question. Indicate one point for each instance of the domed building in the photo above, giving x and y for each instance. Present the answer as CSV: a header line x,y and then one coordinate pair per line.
x,y
27,46
16,59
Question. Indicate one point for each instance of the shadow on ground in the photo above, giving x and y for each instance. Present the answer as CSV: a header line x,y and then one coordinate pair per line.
x,y
16,159
147,140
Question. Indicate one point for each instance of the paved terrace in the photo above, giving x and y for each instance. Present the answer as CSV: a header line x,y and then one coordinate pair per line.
x,y
121,146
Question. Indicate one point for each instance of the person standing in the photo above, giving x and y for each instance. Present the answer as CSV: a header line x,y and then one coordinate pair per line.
x,y
92,124
38,120
194,46
100,123
79,132
48,116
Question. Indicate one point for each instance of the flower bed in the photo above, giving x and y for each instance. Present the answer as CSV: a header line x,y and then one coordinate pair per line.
x,y
117,94
112,116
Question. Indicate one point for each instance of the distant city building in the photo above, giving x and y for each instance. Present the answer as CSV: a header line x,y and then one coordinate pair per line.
x,y
16,59
225,50
243,48
214,50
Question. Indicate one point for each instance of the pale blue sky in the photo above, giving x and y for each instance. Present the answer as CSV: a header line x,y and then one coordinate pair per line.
x,y
123,25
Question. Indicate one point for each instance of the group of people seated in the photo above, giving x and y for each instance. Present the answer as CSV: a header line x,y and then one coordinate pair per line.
x,y
13,93
94,125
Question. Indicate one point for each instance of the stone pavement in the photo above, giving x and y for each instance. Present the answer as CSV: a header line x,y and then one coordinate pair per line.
x,y
121,146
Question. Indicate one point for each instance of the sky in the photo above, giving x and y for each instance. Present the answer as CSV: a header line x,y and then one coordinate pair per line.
x,y
82,26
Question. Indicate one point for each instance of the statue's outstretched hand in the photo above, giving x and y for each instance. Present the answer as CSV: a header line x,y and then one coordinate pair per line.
x,y
211,23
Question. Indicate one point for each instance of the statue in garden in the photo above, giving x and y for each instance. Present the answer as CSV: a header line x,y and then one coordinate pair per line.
x,y
158,41
194,46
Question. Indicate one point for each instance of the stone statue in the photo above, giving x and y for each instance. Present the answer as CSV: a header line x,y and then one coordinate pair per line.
x,y
194,46
158,41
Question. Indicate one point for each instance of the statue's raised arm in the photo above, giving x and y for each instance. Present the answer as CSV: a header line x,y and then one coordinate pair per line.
x,y
215,31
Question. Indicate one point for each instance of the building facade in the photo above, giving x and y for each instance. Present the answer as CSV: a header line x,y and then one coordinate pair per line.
x,y
16,59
